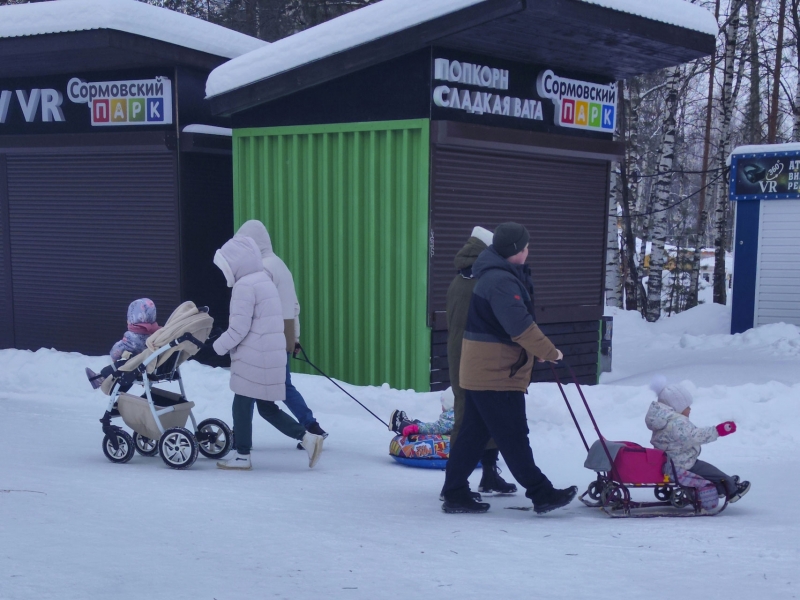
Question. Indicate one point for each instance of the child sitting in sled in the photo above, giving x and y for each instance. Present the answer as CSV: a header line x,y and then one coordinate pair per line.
x,y
141,325
400,423
680,439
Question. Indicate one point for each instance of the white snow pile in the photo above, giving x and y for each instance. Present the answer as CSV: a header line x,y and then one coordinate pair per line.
x,y
130,16
390,16
75,526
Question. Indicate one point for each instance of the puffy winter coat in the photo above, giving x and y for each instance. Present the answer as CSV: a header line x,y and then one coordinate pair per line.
x,y
254,336
458,296
675,434
501,340
442,426
281,276
141,325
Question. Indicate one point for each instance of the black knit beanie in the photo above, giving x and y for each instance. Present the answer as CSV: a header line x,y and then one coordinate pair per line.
x,y
510,239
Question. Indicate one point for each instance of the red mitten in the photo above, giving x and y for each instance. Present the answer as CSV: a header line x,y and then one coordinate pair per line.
x,y
410,430
726,428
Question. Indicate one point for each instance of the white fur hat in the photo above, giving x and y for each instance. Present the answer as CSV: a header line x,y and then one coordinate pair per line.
x,y
675,396
448,399
483,235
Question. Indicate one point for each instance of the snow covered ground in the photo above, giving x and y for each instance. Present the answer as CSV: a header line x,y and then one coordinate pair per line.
x,y
73,525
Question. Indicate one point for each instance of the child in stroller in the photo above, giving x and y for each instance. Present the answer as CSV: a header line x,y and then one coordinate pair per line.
x,y
141,325
680,439
158,417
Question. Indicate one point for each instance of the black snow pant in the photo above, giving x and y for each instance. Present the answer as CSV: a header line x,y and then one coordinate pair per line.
x,y
498,415
725,483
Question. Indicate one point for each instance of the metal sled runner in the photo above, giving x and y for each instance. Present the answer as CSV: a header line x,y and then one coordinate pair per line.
x,y
625,466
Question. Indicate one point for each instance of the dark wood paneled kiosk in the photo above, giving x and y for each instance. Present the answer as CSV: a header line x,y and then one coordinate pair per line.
x,y
371,146
115,179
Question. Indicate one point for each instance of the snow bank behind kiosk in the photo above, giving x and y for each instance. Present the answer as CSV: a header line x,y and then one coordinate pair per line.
x,y
372,144
104,196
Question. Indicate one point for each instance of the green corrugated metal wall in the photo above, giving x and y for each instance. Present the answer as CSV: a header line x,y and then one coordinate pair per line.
x,y
346,206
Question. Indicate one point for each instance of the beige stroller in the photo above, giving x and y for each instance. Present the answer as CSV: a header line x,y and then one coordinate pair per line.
x,y
158,417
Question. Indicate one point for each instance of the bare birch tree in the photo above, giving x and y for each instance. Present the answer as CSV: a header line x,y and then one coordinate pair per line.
x,y
721,190
658,256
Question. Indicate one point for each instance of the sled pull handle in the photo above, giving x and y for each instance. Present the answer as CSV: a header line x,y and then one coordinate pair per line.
x,y
569,406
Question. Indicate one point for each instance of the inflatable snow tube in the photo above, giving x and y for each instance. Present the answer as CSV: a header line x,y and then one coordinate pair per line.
x,y
424,451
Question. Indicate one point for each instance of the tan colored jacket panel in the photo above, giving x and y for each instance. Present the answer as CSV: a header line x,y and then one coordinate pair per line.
x,y
499,367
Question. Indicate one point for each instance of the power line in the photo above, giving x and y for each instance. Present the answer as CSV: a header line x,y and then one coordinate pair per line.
x,y
644,214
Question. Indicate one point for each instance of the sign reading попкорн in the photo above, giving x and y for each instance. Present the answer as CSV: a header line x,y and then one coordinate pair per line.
x,y
137,102
580,104
480,102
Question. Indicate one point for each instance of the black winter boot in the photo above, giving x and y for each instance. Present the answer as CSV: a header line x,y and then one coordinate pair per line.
x,y
464,503
396,421
554,499
491,482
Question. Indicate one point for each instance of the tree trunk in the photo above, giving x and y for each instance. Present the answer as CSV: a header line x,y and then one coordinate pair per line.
x,y
658,256
702,209
796,108
613,280
753,133
772,122
721,188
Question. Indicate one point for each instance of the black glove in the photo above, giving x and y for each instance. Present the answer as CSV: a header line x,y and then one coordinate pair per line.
x,y
297,349
212,337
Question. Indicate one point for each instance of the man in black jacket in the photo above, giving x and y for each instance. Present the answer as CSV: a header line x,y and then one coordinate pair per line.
x,y
501,342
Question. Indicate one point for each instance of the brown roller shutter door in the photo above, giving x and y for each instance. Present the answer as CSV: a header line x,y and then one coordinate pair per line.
x,y
6,302
91,230
561,201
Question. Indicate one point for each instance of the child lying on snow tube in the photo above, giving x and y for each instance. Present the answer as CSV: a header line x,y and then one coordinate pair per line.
x,y
422,444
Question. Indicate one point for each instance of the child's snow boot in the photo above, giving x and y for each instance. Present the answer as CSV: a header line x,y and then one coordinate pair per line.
x,y
555,499
741,489
396,421
95,379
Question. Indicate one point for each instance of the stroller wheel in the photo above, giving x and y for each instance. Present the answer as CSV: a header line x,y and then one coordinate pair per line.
x,y
144,445
595,490
682,497
124,451
614,496
214,437
663,493
178,448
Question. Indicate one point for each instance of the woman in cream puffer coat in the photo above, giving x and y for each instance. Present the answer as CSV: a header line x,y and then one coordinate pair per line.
x,y
256,343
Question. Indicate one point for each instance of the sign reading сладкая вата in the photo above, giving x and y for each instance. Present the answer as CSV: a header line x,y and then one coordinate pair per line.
x,y
506,92
480,102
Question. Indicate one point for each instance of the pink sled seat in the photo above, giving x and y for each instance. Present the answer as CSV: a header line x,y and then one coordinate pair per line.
x,y
636,464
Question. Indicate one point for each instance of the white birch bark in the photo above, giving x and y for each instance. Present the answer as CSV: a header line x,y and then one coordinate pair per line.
x,y
658,256
613,280
721,189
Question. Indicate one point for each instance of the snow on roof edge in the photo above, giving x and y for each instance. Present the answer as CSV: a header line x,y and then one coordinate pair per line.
x,y
763,148
208,130
129,16
673,12
390,16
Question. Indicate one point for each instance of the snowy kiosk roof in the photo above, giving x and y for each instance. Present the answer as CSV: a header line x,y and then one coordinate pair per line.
x,y
62,35
613,39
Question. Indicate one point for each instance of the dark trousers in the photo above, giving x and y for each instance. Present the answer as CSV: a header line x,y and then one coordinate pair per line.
x,y
725,484
243,421
498,415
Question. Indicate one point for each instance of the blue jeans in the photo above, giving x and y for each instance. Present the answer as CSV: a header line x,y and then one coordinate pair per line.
x,y
294,399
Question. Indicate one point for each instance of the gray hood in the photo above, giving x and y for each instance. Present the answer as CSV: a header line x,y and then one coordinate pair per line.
x,y
658,416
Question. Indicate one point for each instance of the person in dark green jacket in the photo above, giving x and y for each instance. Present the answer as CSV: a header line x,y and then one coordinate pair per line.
x,y
458,297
